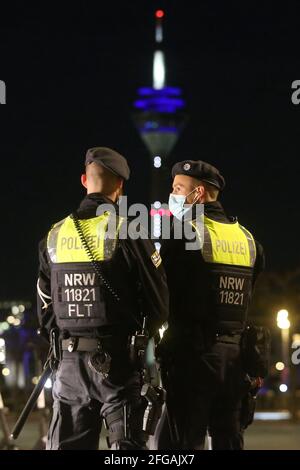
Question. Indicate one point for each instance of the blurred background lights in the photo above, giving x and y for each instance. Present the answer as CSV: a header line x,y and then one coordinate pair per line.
x,y
157,246
296,340
282,319
159,72
15,310
157,162
4,326
48,383
279,365
5,371
159,13
283,388
157,225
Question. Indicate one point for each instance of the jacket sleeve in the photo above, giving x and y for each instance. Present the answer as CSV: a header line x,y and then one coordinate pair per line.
x,y
45,312
154,294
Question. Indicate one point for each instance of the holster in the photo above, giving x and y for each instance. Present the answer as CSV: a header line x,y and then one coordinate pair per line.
x,y
255,350
124,427
249,403
247,410
156,397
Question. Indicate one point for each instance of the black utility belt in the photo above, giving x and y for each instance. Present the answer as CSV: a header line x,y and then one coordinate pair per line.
x,y
85,344
75,343
99,360
99,357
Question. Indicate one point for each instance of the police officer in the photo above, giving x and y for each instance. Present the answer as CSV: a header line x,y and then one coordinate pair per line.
x,y
97,288
210,287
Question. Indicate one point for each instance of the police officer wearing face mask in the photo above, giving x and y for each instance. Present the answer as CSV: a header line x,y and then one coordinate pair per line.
x,y
210,290
96,288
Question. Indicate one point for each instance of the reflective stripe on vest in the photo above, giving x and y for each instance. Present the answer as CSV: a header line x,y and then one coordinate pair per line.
x,y
227,243
64,244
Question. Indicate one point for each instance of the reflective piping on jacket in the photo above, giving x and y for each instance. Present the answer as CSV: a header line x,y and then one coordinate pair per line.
x,y
43,296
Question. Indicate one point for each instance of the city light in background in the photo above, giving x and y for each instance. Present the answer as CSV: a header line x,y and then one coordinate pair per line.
x,y
48,383
284,324
159,71
14,335
2,351
5,371
157,162
14,319
296,341
283,320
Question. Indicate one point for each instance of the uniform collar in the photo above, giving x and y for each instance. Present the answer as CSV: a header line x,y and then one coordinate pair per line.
x,y
91,201
214,210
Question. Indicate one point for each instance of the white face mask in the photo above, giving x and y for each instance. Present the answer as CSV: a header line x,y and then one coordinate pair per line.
x,y
176,204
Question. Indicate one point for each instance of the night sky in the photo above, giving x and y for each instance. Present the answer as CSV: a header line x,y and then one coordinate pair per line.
x,y
71,75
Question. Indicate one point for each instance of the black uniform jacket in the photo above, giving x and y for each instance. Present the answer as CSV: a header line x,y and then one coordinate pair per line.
x,y
189,281
137,276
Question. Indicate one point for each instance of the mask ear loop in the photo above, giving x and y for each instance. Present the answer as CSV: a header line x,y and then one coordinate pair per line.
x,y
194,202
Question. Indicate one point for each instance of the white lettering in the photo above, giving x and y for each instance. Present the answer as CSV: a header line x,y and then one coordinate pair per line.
x,y
239,283
296,357
88,279
223,282
77,279
231,283
88,307
2,92
295,95
68,279
71,309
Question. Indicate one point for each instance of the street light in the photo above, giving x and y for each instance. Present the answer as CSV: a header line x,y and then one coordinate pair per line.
x,y
283,320
284,324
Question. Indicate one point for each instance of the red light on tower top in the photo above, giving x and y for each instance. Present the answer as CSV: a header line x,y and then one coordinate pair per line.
x,y
159,14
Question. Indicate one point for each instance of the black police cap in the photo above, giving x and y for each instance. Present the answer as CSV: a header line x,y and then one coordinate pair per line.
x,y
109,159
200,170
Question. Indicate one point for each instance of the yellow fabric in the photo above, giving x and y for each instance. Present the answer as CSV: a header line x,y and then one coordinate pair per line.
x,y
229,243
64,244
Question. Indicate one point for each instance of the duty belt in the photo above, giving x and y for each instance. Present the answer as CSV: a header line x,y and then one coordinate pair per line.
x,y
99,360
80,344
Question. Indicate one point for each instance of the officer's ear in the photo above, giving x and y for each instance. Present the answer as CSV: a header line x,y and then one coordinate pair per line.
x,y
120,189
83,180
199,193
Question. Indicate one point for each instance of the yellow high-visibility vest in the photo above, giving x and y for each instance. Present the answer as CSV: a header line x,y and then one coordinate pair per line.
x,y
101,234
225,243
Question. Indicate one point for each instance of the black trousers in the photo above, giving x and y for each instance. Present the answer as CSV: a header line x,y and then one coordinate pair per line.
x,y
204,394
82,398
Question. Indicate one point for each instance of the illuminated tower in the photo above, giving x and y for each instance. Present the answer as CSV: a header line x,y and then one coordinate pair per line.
x,y
159,118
